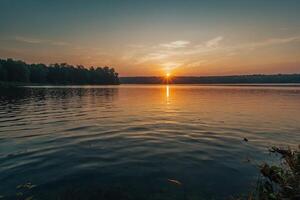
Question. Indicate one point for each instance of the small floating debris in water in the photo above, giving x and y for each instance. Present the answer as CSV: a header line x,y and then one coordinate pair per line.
x,y
247,160
27,185
246,140
175,181
29,198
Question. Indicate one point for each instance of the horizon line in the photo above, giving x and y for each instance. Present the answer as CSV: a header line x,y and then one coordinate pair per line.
x,y
198,76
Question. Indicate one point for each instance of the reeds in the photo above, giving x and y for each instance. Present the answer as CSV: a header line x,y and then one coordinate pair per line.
x,y
282,181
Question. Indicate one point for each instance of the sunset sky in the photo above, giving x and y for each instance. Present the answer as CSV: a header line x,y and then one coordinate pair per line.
x,y
155,37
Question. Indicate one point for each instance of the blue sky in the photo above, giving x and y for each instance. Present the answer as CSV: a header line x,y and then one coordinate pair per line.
x,y
185,37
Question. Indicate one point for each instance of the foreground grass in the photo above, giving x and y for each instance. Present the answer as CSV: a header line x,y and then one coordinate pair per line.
x,y
279,182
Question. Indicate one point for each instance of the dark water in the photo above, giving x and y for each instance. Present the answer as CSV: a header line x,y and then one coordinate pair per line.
x,y
125,142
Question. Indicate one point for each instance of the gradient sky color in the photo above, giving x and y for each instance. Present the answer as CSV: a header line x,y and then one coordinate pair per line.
x,y
154,37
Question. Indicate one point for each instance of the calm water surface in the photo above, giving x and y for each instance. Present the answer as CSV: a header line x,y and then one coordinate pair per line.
x,y
125,142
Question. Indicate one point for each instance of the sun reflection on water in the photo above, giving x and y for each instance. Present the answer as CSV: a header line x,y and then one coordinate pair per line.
x,y
168,91
168,94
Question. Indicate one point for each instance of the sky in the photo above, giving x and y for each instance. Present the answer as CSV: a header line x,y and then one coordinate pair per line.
x,y
155,37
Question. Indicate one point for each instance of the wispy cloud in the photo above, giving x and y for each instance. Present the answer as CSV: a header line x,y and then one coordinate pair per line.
x,y
157,55
27,40
176,44
214,42
30,40
58,43
177,50
210,52
275,41
170,65
196,63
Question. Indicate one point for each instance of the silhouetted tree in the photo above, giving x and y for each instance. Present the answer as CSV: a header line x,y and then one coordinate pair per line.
x,y
3,73
260,78
16,71
38,73
63,73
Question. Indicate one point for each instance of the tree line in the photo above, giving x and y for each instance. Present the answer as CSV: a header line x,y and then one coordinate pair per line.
x,y
237,79
19,71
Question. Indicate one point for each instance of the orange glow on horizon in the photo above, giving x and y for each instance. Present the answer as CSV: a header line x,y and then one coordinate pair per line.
x,y
167,78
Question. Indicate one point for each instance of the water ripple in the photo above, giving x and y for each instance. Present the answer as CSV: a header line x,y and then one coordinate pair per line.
x,y
137,137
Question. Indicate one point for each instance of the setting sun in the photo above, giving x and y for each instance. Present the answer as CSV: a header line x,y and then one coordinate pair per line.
x,y
167,78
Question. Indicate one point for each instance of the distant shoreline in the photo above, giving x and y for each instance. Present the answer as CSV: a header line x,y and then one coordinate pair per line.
x,y
282,80
235,79
223,84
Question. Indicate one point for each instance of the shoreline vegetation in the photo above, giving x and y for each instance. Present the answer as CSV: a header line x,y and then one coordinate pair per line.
x,y
14,73
234,79
279,181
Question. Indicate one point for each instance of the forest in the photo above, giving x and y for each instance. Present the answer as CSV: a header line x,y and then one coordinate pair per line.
x,y
64,74
235,79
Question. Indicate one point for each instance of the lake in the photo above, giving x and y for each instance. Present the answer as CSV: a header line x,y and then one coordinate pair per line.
x,y
140,141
